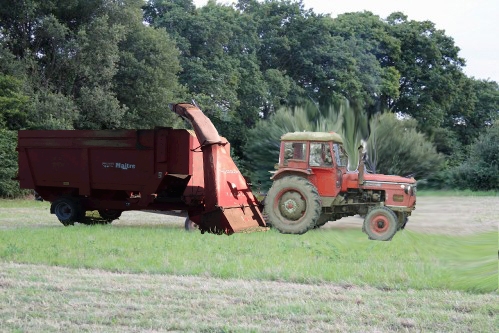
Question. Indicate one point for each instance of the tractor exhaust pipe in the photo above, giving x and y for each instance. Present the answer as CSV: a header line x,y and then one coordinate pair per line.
x,y
361,165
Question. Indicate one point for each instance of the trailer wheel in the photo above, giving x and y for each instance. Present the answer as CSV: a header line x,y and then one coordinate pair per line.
x,y
189,225
67,210
110,215
380,224
293,205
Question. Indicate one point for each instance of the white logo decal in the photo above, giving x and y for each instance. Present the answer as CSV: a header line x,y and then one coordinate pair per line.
x,y
125,166
229,171
118,165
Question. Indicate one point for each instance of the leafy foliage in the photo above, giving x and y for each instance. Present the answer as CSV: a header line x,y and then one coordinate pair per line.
x,y
12,102
430,70
480,172
97,56
94,64
472,120
50,110
8,188
396,147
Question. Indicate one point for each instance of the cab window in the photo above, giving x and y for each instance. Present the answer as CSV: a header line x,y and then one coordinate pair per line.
x,y
320,155
294,151
341,155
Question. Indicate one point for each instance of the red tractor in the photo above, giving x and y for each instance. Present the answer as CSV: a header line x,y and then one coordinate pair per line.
x,y
312,186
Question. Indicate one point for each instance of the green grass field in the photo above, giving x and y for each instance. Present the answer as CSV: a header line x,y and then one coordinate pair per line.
x,y
410,260
154,276
344,257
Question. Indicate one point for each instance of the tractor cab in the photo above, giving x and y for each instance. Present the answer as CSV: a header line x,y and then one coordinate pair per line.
x,y
303,150
319,157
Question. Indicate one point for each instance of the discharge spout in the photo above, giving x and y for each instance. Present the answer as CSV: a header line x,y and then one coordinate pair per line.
x,y
203,127
230,206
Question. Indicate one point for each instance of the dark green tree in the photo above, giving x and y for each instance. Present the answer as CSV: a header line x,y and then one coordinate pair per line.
x,y
430,71
146,80
91,55
8,188
218,59
298,46
480,172
470,122
376,53
49,110
12,103
98,45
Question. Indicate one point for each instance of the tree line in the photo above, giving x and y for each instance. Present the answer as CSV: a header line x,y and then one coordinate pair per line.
x,y
108,64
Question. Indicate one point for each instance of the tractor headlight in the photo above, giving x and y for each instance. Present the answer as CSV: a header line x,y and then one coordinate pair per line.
x,y
407,189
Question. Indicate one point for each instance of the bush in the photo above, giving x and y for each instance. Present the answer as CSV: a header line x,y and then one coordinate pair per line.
x,y
8,168
395,147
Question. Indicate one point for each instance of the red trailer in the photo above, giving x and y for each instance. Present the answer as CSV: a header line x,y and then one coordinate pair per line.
x,y
164,169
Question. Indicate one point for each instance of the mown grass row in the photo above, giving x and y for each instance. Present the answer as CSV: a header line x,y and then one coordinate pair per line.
x,y
410,260
39,298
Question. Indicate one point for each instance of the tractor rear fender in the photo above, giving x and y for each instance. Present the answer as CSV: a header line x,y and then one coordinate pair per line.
x,y
290,172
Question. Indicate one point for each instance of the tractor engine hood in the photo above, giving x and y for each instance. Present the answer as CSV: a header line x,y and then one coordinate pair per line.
x,y
374,181
378,178
369,177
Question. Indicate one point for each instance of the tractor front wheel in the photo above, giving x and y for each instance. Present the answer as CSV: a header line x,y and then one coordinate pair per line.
x,y
380,224
293,205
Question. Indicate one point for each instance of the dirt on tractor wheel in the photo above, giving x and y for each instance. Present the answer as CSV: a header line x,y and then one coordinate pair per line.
x,y
443,215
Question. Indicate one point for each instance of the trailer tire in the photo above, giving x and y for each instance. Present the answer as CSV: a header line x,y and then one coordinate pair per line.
x,y
189,225
67,210
109,215
293,205
380,224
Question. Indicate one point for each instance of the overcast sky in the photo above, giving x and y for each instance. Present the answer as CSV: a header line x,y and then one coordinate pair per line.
x,y
473,24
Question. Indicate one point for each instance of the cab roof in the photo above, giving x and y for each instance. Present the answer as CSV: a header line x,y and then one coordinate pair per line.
x,y
312,136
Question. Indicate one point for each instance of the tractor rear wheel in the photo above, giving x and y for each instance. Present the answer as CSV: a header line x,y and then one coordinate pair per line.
x,y
380,224
293,205
67,210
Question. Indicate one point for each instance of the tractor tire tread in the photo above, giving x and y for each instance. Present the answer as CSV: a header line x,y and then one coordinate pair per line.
x,y
313,203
